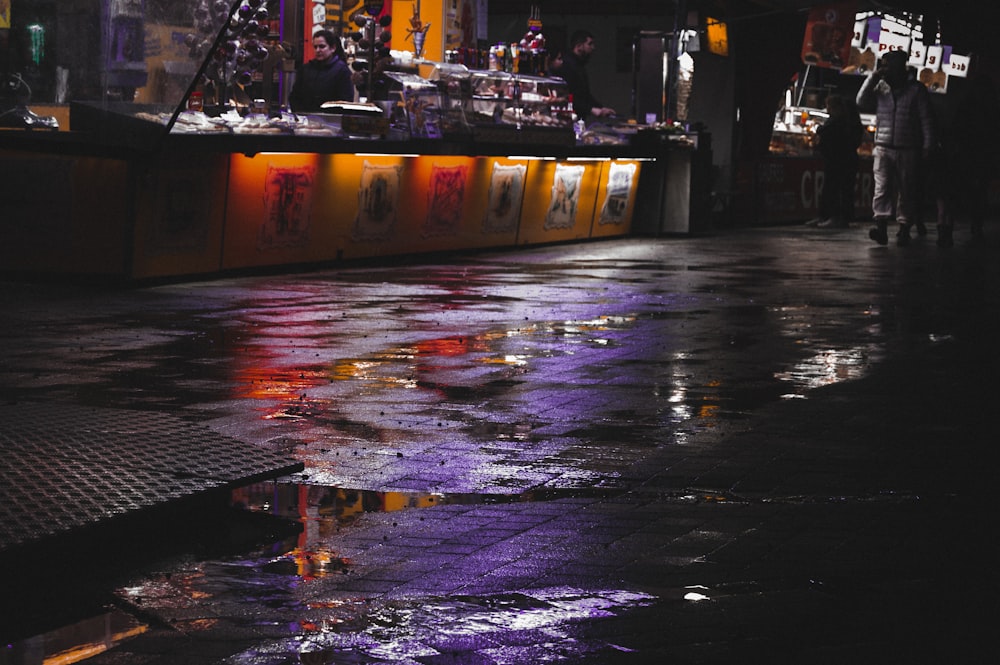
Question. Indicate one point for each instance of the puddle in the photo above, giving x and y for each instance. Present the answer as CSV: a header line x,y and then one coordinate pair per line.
x,y
420,364
826,363
827,366
521,628
323,511
478,385
278,595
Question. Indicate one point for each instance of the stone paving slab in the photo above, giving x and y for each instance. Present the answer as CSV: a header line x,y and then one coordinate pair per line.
x,y
772,445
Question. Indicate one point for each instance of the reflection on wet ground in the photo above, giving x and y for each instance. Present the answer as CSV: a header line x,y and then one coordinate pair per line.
x,y
513,458
533,627
323,511
74,643
537,625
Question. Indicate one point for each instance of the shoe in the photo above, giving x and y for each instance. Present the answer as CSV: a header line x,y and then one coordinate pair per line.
x,y
944,238
832,223
879,234
815,222
921,229
903,235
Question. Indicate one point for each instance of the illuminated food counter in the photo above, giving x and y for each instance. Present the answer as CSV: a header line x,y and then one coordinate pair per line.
x,y
185,164
206,204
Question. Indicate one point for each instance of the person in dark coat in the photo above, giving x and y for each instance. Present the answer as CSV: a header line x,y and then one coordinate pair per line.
x,y
325,78
574,71
969,144
839,138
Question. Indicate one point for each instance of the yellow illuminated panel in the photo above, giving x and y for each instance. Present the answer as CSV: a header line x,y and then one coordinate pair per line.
x,y
718,36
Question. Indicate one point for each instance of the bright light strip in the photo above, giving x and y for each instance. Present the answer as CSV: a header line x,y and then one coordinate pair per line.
x,y
588,159
532,158
386,154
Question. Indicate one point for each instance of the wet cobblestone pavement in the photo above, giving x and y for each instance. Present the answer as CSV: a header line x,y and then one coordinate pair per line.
x,y
767,445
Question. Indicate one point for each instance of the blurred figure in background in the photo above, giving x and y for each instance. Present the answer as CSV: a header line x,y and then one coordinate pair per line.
x,y
839,138
968,157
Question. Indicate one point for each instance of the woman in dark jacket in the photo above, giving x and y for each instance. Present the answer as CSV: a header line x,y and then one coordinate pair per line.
x,y
325,78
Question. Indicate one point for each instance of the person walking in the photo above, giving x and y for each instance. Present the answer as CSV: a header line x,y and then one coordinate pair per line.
x,y
325,78
903,138
839,137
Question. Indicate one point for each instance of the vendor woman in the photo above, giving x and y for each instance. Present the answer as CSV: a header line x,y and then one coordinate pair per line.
x,y
325,78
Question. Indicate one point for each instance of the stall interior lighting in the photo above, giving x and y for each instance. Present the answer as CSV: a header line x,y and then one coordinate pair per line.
x,y
532,157
386,154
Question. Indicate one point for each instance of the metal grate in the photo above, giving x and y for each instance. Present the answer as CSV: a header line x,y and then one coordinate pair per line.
x,y
65,467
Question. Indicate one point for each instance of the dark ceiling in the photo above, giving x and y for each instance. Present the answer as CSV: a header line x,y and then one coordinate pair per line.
x,y
964,23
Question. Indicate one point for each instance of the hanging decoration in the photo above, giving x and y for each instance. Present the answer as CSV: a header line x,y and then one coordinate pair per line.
x,y
417,31
236,54
372,41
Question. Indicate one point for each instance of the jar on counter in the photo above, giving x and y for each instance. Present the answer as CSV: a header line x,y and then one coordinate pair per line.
x,y
196,101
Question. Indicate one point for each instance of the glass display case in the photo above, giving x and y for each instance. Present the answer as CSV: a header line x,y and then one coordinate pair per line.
x,y
453,83
501,97
128,73
415,107
537,107
456,102
217,68
794,131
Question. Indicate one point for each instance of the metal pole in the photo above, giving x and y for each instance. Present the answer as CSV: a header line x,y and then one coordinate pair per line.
x,y
680,24
667,93
802,85
635,75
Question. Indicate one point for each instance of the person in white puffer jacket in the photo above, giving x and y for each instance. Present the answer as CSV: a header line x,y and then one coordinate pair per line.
x,y
904,136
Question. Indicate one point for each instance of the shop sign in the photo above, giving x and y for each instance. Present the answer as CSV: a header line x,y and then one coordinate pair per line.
x,y
958,65
918,53
934,56
811,189
878,35
874,30
318,14
935,75
829,32
790,189
891,41
858,40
